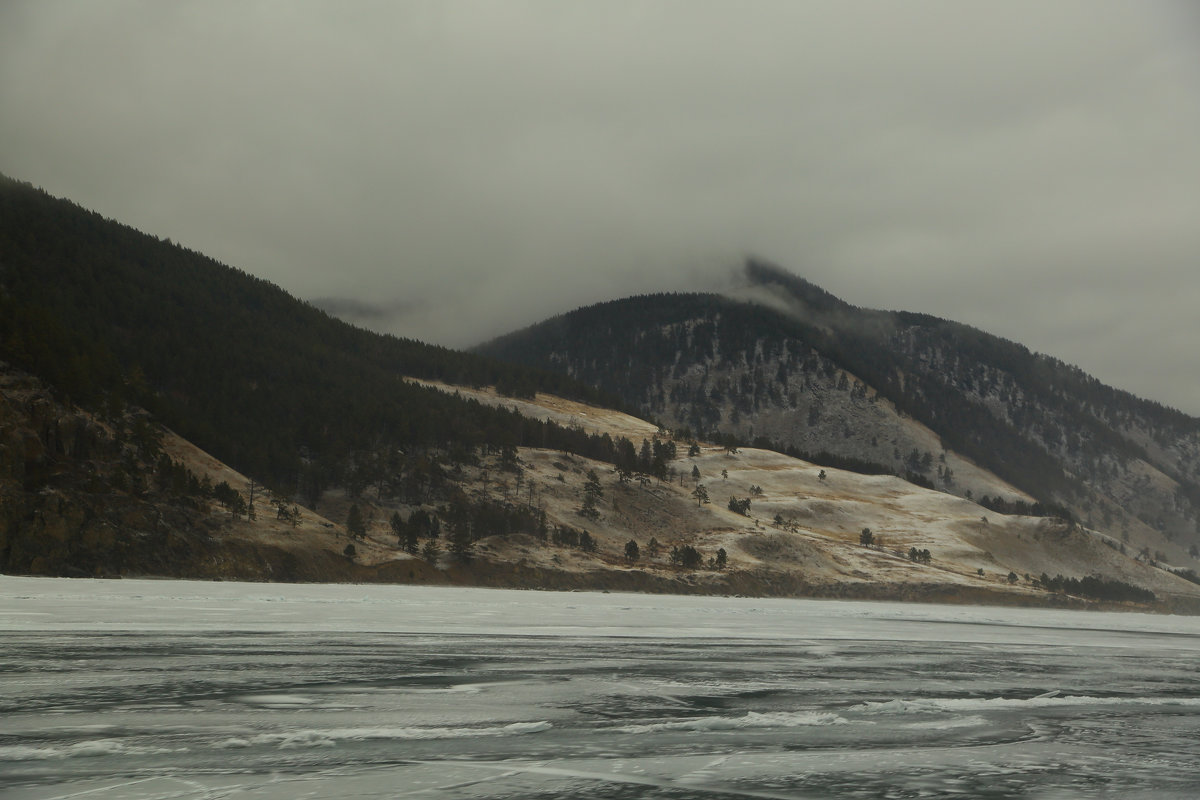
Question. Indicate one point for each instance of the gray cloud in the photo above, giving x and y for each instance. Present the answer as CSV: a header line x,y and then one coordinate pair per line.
x,y
362,312
1029,168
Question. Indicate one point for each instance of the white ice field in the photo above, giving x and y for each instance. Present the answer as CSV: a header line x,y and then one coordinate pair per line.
x,y
174,689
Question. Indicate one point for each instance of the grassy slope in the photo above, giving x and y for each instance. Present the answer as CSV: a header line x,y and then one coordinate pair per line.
x,y
819,553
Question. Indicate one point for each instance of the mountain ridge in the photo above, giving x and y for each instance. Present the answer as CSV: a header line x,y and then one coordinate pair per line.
x,y
1046,427
166,414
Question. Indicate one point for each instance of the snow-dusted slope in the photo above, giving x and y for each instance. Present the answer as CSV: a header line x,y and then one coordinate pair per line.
x,y
803,528
772,525
784,364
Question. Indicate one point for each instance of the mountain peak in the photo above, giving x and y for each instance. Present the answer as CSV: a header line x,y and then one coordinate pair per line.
x,y
793,289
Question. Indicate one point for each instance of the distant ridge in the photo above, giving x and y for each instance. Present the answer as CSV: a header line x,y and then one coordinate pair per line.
x,y
785,363
164,414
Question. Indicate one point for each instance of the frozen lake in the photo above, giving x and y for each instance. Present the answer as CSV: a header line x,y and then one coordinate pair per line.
x,y
172,689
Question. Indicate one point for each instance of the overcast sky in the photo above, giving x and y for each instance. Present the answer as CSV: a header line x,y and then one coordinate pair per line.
x,y
451,170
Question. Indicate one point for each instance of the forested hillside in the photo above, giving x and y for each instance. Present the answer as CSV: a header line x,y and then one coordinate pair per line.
x,y
110,316
330,453
790,366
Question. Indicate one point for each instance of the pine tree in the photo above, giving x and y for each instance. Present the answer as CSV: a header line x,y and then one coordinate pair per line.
x,y
356,526
632,551
430,551
592,492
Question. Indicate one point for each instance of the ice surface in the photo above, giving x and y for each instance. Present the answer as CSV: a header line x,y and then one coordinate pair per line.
x,y
752,719
163,605
958,704
154,689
